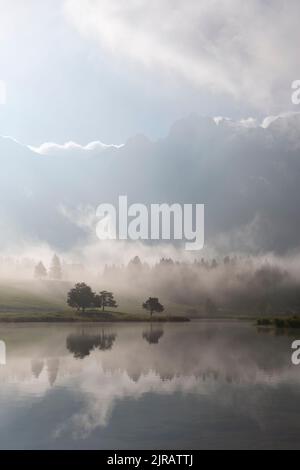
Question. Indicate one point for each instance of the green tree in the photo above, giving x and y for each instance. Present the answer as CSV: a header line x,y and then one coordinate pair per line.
x,y
153,305
40,272
97,303
105,299
81,297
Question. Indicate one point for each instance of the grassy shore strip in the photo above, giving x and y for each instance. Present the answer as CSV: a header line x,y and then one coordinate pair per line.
x,y
90,316
289,322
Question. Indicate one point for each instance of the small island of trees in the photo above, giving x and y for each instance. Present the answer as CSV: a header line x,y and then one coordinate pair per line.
x,y
82,298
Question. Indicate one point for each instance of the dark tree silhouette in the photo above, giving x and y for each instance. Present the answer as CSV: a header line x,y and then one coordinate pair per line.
x,y
153,305
153,335
97,303
81,297
40,272
105,299
106,341
82,345
55,271
135,262
135,266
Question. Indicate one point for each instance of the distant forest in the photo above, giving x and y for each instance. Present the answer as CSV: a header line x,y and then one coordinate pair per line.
x,y
241,285
233,284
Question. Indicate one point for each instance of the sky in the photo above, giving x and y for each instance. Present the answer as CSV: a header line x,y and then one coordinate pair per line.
x,y
106,70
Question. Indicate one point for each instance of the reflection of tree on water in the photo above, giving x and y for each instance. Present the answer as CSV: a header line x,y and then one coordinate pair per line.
x,y
52,366
37,366
80,345
52,370
153,334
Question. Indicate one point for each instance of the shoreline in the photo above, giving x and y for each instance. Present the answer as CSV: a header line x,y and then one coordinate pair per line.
x,y
110,318
280,323
170,319
114,317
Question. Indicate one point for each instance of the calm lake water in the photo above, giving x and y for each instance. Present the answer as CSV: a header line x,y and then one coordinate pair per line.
x,y
200,385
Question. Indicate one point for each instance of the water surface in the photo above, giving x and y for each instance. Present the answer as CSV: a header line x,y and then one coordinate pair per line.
x,y
200,385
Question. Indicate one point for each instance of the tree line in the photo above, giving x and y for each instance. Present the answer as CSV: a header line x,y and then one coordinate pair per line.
x,y
54,271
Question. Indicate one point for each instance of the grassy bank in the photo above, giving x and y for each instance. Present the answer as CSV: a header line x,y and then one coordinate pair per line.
x,y
36,301
45,301
89,316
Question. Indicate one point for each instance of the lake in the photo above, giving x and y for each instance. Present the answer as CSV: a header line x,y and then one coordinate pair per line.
x,y
197,385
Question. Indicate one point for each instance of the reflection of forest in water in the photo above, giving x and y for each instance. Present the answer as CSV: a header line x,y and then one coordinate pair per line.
x,y
90,376
52,367
80,345
210,352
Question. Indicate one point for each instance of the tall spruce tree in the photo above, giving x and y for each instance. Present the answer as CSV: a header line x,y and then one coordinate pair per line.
x,y
55,271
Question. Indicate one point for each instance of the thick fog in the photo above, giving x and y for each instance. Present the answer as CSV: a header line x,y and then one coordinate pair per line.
x,y
246,174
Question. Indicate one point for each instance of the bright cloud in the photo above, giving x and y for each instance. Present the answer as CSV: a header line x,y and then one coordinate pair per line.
x,y
72,148
248,51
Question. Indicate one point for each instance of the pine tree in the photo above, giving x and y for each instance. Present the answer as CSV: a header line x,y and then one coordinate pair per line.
x,y
55,271
40,272
106,299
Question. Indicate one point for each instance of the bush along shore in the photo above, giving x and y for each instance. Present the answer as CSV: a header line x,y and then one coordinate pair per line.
x,y
280,322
